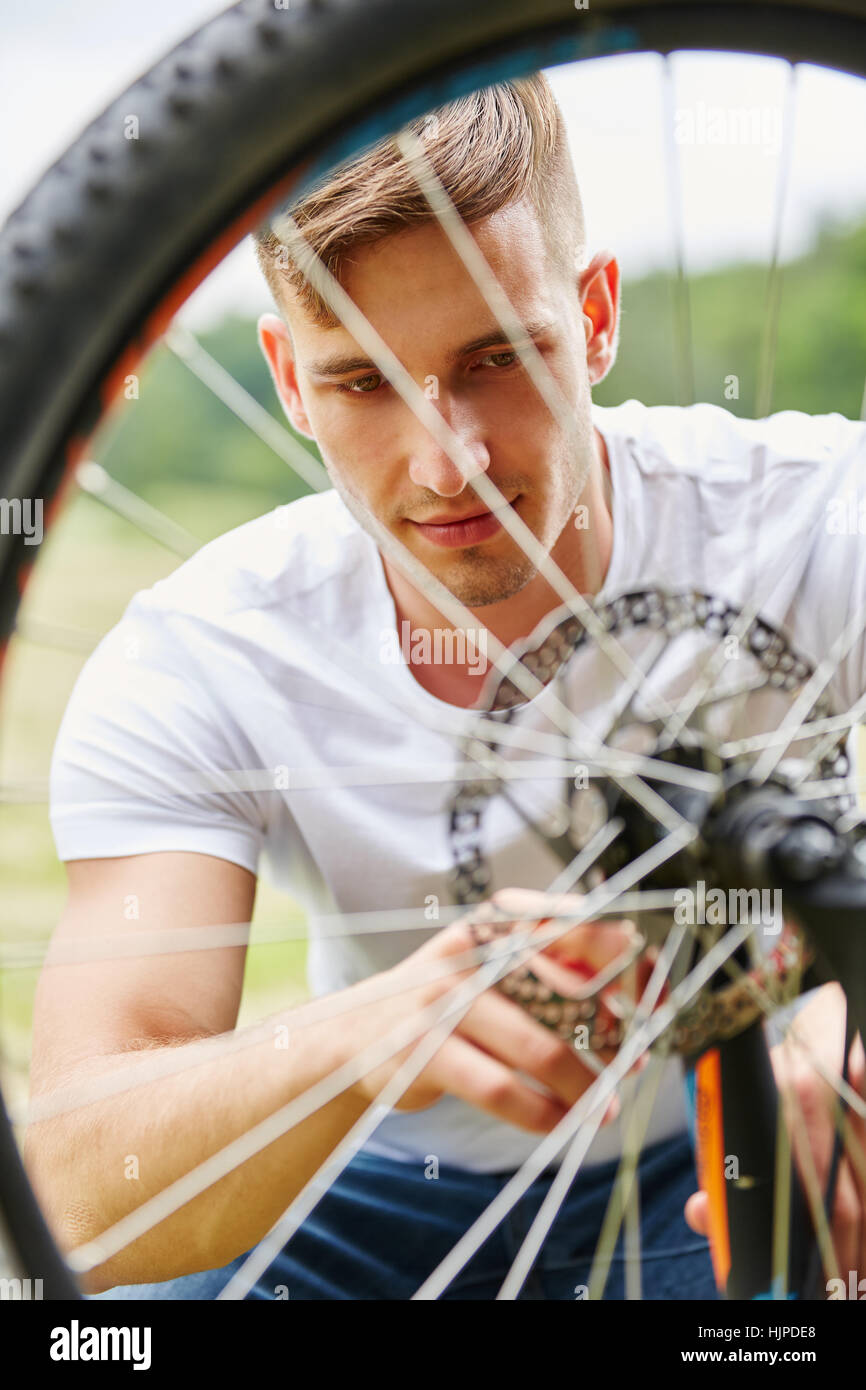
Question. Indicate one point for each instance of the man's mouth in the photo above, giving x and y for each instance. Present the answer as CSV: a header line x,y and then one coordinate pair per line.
x,y
470,528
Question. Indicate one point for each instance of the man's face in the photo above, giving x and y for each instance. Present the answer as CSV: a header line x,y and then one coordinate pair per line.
x,y
416,293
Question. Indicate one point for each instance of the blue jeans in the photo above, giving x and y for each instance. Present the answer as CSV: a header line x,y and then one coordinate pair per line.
x,y
383,1227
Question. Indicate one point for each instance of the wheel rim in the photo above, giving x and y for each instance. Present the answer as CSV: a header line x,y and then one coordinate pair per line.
x,y
556,45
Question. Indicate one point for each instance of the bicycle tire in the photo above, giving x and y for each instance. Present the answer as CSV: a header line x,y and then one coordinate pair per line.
x,y
98,258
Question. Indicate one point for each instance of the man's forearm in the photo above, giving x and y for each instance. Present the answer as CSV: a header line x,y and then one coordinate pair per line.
x,y
95,1163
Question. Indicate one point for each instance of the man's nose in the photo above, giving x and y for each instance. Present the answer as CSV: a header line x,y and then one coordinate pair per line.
x,y
432,467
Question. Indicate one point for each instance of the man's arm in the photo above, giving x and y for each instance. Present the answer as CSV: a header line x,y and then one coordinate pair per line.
x,y
174,1012
101,1015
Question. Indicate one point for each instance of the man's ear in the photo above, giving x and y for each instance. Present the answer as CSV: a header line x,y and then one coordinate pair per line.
x,y
275,341
598,287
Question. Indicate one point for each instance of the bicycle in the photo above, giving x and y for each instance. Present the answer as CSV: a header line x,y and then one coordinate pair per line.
x,y
95,277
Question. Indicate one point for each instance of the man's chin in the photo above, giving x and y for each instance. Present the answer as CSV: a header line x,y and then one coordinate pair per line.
x,y
480,583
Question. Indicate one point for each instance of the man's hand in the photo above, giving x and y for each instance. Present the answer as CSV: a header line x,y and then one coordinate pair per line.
x,y
820,1025
498,1057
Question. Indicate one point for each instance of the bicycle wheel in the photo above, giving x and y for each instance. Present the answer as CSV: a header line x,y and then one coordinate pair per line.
x,y
249,111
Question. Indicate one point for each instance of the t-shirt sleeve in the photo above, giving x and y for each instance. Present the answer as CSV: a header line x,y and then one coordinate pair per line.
x,y
836,579
147,757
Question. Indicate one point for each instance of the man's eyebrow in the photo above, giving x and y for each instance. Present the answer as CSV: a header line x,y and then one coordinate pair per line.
x,y
341,364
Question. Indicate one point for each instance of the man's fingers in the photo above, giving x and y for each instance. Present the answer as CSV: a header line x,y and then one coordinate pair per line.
x,y
846,1221
697,1213
526,902
595,944
567,963
463,1070
856,1146
505,1029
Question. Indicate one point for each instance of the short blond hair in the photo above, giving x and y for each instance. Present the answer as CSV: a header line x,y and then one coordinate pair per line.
x,y
495,147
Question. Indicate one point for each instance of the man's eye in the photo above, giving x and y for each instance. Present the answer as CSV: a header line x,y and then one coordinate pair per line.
x,y
505,358
362,385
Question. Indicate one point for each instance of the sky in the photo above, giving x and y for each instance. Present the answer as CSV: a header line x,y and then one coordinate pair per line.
x,y
697,143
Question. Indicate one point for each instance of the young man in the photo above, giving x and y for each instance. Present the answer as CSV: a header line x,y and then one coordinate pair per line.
x,y
264,653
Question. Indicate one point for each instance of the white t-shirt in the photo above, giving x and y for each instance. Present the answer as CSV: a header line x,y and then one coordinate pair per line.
x,y
263,655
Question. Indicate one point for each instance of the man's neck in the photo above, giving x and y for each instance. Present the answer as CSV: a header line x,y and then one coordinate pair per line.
x,y
582,553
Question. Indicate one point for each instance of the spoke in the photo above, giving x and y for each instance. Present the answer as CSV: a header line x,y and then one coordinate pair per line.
x,y
705,679
627,770
196,1180
497,301
853,1147
807,1171
632,1244
764,388
186,347
673,964
93,479
604,762
550,836
615,764
386,362
837,787
505,953
488,766
282,1231
584,860
790,1031
844,722
706,676
598,1095
843,1089
147,1068
626,1177
782,1187
814,687
836,723
681,300
811,1185
562,1182
477,267
770,342
317,1187
28,954
234,396
624,696
237,399
719,697
243,404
